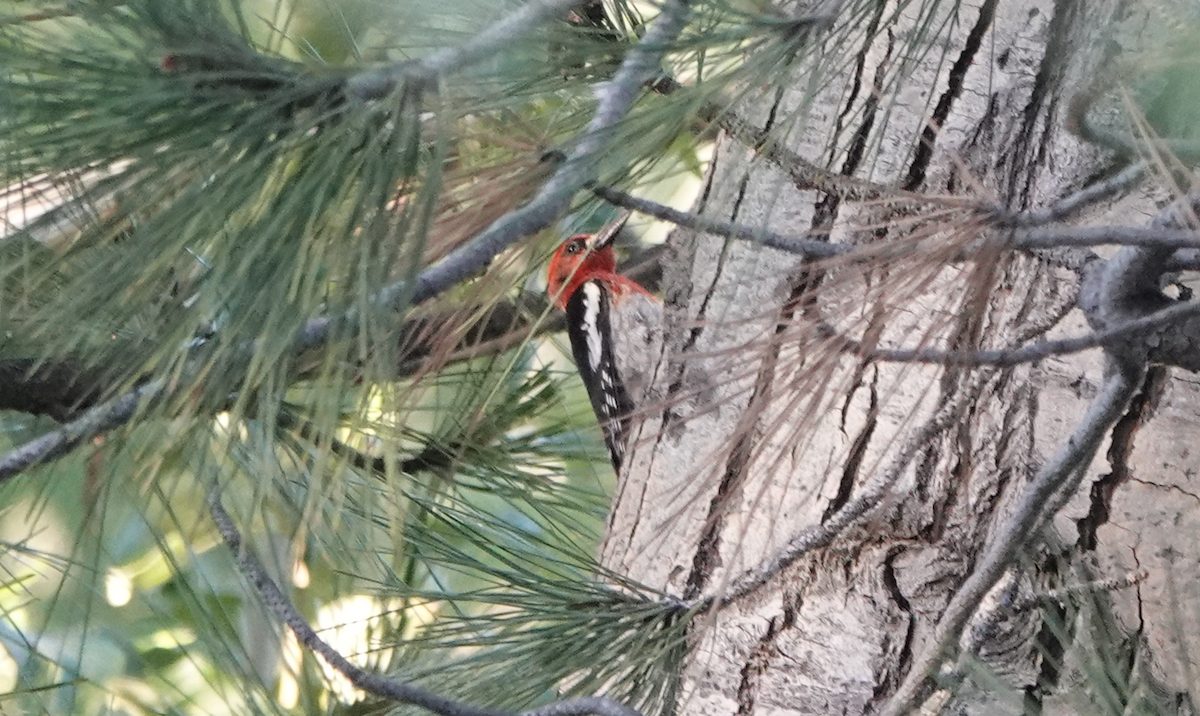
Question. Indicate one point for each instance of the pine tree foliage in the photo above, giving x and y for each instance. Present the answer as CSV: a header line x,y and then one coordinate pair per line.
x,y
203,200
235,208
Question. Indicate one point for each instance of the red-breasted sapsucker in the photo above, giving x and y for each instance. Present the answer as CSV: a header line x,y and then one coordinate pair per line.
x,y
615,327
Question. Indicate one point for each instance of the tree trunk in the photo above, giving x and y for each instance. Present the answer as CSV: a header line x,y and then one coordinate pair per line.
x,y
765,424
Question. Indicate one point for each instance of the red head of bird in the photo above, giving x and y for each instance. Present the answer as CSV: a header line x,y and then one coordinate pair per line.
x,y
575,262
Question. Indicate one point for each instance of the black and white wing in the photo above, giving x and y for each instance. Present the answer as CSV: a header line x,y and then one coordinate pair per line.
x,y
589,326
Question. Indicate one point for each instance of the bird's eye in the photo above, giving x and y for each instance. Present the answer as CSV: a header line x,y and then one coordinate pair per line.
x,y
575,247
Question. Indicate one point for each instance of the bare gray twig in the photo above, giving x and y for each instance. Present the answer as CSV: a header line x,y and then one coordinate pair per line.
x,y
1070,592
805,244
1065,207
803,173
1021,239
57,443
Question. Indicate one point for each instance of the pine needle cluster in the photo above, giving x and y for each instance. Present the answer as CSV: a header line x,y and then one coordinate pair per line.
x,y
230,207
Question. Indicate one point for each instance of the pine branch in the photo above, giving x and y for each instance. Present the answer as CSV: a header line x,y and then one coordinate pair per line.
x,y
614,100
50,13
413,76
96,421
433,457
381,686
1021,239
428,72
1067,206
1058,478
60,390
802,245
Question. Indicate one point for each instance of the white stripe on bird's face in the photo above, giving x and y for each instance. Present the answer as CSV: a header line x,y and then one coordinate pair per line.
x,y
591,327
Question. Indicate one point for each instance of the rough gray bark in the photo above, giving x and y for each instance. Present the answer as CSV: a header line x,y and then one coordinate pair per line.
x,y
765,428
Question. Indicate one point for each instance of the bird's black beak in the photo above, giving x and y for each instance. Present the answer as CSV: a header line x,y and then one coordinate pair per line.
x,y
605,236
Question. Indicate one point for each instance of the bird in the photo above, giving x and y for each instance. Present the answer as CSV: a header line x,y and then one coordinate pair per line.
x,y
615,327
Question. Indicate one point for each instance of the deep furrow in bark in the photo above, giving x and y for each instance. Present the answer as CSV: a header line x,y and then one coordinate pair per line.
x,y
826,211
954,87
760,659
858,450
891,677
1045,85
860,65
1141,408
707,555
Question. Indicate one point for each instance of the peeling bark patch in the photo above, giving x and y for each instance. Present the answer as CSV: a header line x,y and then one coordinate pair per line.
x,y
1141,408
857,450
760,659
954,87
903,662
